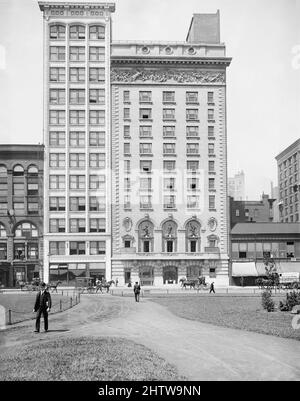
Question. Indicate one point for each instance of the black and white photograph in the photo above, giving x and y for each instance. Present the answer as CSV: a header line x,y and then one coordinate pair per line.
x,y
149,194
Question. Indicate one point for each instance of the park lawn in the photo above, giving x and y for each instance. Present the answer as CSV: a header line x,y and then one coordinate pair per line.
x,y
245,313
83,358
22,304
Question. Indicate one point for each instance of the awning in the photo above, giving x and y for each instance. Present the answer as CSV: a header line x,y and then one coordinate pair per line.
x,y
281,267
244,269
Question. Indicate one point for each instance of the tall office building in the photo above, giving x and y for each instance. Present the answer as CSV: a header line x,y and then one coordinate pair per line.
x,y
236,186
288,163
169,157
161,213
77,220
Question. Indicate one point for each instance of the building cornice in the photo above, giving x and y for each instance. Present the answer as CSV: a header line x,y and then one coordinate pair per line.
x,y
294,147
45,5
137,60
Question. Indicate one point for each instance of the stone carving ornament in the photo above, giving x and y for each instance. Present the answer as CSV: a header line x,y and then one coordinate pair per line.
x,y
127,223
192,76
212,224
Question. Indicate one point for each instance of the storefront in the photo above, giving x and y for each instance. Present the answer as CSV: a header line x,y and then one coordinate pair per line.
x,y
67,273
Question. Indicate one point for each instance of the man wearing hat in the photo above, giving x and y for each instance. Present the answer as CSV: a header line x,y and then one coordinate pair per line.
x,y
42,307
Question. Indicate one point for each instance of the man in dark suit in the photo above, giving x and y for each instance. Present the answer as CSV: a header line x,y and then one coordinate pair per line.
x,y
42,307
137,290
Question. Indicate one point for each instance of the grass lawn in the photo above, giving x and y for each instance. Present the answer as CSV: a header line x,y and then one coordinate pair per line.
x,y
244,313
22,304
84,359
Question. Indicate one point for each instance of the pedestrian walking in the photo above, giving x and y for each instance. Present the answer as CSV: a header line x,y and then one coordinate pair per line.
x,y
117,281
137,290
42,306
212,288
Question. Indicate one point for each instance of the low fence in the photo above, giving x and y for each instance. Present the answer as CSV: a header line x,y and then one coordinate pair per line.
x,y
18,316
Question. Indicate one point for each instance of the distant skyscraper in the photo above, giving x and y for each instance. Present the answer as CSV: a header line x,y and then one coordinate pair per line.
x,y
236,186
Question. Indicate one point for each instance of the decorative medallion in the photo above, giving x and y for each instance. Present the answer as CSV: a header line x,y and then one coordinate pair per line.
x,y
127,223
212,224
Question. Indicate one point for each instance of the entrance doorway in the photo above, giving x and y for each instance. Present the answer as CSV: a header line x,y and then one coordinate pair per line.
x,y
146,275
170,274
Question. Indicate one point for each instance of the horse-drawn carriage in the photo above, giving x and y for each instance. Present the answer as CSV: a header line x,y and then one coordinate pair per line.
x,y
193,283
88,285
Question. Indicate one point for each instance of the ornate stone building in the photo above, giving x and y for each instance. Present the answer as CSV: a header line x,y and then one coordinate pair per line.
x,y
169,211
21,213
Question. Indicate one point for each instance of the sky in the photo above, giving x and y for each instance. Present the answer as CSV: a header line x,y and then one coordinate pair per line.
x,y
263,80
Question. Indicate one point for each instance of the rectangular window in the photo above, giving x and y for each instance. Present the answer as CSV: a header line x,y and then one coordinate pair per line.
x,y
168,97
126,131
57,74
97,182
77,225
77,96
97,117
77,139
57,96
57,182
192,114
97,204
192,148
97,160
145,148
210,97
192,131
193,184
145,184
57,117
77,248
168,131
3,251
57,53
97,138
145,96
168,114
145,114
77,160
126,96
97,53
169,202
212,203
77,117
210,115
193,165
57,160
18,189
77,32
127,166
126,148
126,184
211,148
57,139
57,203
127,202
191,97
145,131
77,74
169,165
97,225
97,248
193,202
211,166
77,181
146,166
126,113
145,202
19,208
97,74
57,225
97,32
77,53
57,247
97,96
57,32
169,184
211,131
169,148
211,183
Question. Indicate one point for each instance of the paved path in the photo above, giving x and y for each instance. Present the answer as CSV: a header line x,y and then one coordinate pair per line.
x,y
200,351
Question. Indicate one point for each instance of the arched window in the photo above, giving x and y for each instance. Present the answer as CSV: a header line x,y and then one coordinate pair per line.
x,y
169,236
3,171
57,32
18,171
192,235
97,32
145,230
77,32
2,231
33,171
27,230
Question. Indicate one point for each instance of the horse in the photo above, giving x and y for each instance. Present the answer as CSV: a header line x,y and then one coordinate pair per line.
x,y
106,285
189,283
54,286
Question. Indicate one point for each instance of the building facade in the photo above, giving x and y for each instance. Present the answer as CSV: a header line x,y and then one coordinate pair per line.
x,y
254,243
243,211
77,219
288,164
169,162
21,213
236,186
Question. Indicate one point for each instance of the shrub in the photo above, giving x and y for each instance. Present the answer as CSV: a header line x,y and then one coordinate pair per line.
x,y
292,299
267,301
